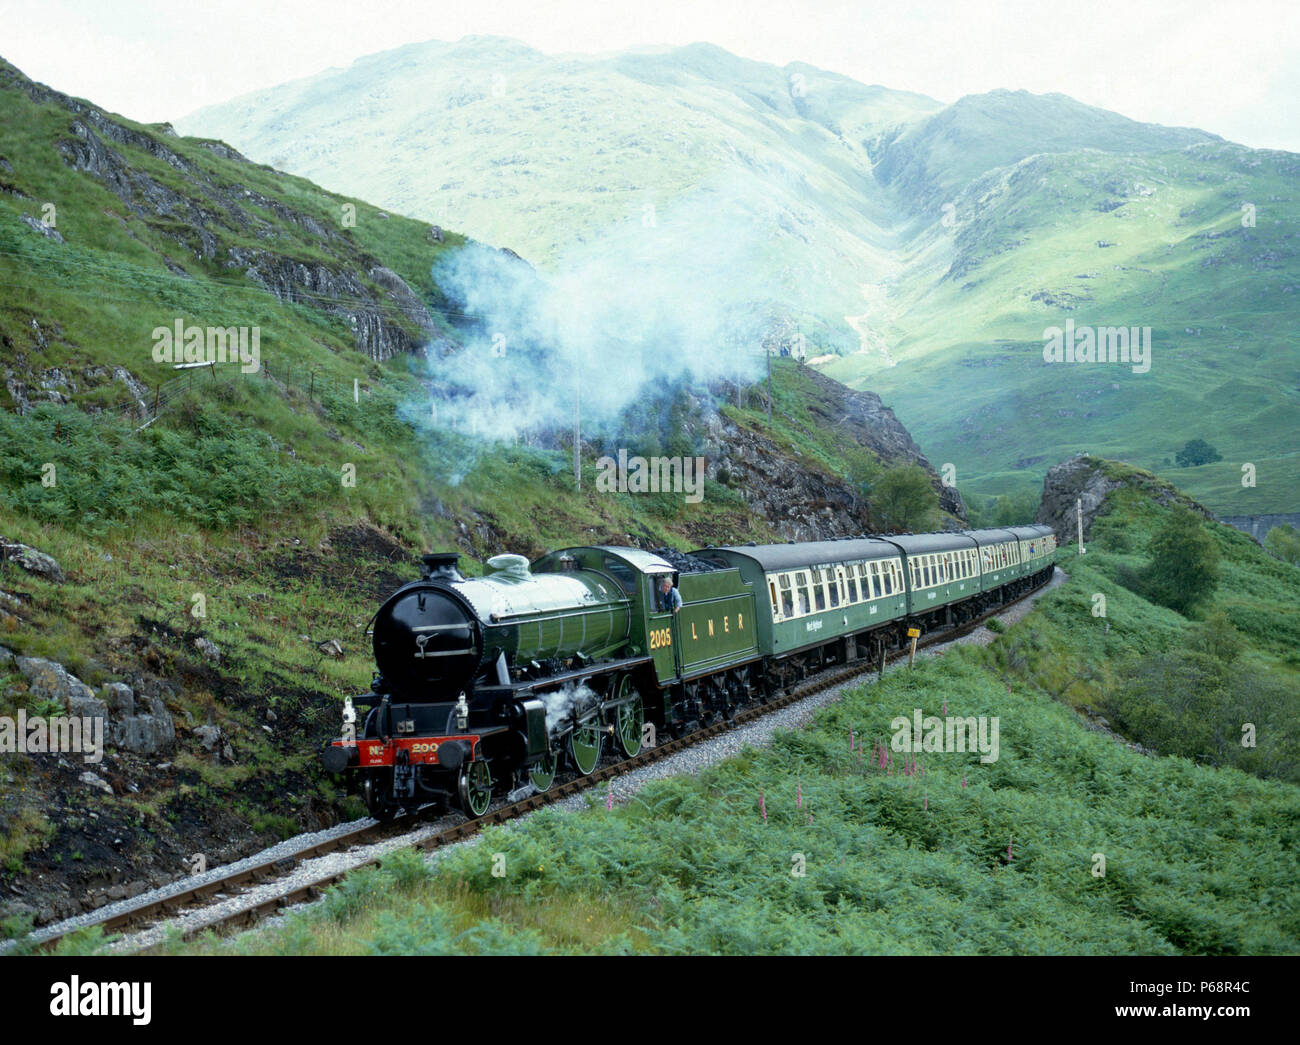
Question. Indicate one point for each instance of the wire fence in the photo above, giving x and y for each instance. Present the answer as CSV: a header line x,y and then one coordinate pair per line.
x,y
143,405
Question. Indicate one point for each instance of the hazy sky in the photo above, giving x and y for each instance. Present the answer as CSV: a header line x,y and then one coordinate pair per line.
x,y
1229,68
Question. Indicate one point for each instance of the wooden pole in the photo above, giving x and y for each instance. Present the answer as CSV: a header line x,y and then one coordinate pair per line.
x,y
769,385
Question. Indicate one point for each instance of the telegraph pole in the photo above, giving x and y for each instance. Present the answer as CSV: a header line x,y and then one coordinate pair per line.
x,y
768,352
1078,515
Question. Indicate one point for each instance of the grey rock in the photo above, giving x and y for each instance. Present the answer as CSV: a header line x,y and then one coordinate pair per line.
x,y
208,736
120,699
139,723
48,231
145,734
331,648
208,648
52,681
91,780
6,658
31,560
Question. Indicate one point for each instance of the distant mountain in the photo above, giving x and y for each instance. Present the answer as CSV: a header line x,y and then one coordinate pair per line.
x,y
921,250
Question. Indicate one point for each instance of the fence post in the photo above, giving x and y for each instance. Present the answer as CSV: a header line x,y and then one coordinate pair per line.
x,y
311,391
156,392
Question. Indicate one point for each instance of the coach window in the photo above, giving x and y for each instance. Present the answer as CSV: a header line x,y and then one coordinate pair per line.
x,y
805,600
947,567
819,588
833,586
851,582
787,596
771,590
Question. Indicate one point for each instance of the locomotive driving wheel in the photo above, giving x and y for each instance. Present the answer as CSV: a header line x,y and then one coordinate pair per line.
x,y
630,718
475,786
542,775
584,746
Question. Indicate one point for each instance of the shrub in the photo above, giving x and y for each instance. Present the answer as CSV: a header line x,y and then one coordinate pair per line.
x,y
1184,567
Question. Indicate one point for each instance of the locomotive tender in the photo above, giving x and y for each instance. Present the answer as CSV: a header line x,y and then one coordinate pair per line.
x,y
493,683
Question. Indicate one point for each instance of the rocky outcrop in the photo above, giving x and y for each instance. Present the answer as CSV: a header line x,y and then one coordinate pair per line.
x,y
207,212
31,560
801,500
135,722
49,681
1091,480
866,420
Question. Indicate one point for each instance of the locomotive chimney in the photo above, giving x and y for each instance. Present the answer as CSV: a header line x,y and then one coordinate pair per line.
x,y
441,566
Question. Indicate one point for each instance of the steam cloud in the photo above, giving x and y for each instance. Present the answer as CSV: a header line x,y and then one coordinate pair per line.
x,y
679,296
562,703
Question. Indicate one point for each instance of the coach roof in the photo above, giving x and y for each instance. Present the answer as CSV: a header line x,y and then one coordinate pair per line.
x,y
925,543
773,557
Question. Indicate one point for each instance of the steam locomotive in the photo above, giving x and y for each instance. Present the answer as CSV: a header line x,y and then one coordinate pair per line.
x,y
497,684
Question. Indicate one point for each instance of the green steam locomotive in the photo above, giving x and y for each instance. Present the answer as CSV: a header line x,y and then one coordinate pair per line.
x,y
496,684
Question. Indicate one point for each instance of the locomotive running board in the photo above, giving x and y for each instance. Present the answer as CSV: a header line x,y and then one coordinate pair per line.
x,y
577,675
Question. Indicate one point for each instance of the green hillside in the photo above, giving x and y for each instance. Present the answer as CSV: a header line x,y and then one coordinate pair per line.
x,y
1154,241
922,248
223,533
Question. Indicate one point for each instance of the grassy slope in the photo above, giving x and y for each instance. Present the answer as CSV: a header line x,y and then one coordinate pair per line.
x,y
235,494
567,148
1179,261
1198,859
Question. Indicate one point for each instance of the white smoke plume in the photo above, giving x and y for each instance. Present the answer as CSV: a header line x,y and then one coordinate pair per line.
x,y
673,297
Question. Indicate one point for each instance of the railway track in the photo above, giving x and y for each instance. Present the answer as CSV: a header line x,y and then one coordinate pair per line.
x,y
193,898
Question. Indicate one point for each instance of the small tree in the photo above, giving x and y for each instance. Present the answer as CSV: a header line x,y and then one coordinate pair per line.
x,y
1184,567
1284,542
1196,451
903,499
